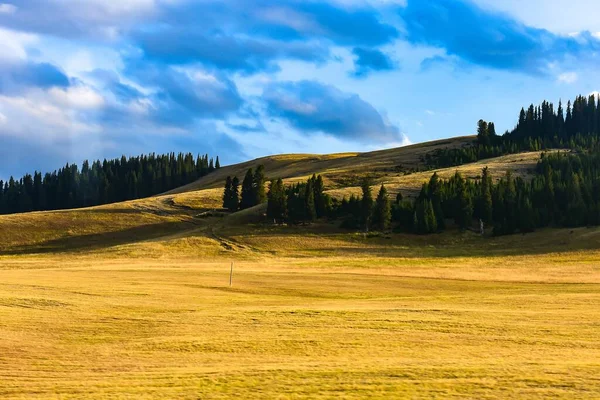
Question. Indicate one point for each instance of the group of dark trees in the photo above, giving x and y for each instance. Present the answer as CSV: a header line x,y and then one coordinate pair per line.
x,y
538,128
307,202
565,191
299,203
102,182
252,191
362,212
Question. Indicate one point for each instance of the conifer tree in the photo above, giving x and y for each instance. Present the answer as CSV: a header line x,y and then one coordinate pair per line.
x,y
227,193
310,211
277,202
235,194
510,200
366,204
464,212
434,193
258,185
217,163
430,217
248,195
483,135
486,207
382,215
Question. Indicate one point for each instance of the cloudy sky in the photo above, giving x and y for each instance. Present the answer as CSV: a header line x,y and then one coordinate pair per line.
x,y
246,78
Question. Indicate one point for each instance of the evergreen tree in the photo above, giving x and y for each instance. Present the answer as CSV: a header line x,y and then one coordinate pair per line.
x,y
366,204
98,182
248,195
227,193
483,135
277,206
258,185
435,194
382,215
430,217
464,212
486,207
234,204
310,211
217,163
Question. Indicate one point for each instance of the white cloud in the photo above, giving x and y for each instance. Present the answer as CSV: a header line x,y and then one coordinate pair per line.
x,y
6,8
13,45
3,119
38,117
80,97
568,77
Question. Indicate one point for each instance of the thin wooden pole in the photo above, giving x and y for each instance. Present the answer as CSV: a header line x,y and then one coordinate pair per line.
x,y
231,275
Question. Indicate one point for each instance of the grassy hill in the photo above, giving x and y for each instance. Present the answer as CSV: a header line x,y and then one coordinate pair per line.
x,y
180,212
132,300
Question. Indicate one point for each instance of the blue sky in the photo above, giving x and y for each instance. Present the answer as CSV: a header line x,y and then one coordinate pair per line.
x,y
241,79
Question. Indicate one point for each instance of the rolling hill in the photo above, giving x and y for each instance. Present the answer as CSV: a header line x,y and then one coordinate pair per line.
x,y
133,300
180,211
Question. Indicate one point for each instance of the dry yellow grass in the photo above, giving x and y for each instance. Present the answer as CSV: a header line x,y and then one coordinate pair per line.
x,y
337,169
371,323
133,300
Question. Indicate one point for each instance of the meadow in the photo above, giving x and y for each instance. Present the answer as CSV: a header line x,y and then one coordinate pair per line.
x,y
132,300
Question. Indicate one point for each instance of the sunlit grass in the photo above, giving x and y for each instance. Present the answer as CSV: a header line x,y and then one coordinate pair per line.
x,y
132,300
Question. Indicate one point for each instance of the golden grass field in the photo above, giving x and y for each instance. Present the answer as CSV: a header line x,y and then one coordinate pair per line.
x,y
132,300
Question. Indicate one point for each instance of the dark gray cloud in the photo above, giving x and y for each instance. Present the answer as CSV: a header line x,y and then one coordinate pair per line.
x,y
371,60
315,107
17,76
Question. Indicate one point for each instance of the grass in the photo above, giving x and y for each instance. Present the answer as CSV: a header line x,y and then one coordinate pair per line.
x,y
317,327
132,300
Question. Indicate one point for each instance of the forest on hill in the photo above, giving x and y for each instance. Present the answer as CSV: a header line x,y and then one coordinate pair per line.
x,y
565,192
538,128
104,182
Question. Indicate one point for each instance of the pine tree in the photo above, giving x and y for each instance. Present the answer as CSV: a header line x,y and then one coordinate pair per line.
x,y
366,204
483,135
382,215
486,207
510,200
310,211
248,195
430,218
464,214
217,163
258,185
277,201
227,194
321,199
235,195
434,193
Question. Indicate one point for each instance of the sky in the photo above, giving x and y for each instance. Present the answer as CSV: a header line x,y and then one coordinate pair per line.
x,y
94,79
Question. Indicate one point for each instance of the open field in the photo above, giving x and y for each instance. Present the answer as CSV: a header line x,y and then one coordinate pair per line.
x,y
132,300
356,325
309,316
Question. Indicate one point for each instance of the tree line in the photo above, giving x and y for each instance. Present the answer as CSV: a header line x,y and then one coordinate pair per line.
x,y
538,128
564,192
307,202
252,190
103,182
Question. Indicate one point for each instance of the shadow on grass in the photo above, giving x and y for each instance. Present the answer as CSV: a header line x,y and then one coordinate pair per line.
x,y
445,245
99,241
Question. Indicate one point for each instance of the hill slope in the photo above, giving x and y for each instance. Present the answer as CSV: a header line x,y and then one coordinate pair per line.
x,y
186,213
336,168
